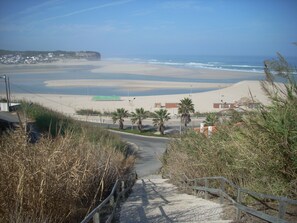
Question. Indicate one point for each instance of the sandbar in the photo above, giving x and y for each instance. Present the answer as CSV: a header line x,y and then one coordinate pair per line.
x,y
136,85
127,67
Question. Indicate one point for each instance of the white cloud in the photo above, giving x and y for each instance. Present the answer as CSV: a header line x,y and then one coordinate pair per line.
x,y
87,10
28,16
30,10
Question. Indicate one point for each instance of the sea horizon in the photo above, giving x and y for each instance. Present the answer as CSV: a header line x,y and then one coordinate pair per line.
x,y
216,62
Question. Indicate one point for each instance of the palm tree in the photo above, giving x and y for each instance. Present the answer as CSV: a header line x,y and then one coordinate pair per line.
x,y
119,116
159,119
138,116
211,119
185,107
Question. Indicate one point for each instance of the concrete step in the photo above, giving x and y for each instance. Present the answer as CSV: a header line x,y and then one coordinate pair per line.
x,y
218,221
156,200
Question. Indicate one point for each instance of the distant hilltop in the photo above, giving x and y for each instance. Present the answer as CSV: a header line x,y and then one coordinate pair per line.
x,y
34,57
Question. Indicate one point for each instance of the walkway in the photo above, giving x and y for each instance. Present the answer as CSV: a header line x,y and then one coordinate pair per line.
x,y
155,200
148,150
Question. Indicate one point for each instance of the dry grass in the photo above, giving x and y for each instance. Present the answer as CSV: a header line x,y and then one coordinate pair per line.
x,y
244,155
56,180
260,155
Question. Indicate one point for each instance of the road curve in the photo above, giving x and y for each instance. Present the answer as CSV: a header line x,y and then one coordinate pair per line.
x,y
148,152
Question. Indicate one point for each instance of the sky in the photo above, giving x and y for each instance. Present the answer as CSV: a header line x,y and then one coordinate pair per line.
x,y
151,27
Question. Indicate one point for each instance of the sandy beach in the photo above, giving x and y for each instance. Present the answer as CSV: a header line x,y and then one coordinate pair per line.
x,y
203,101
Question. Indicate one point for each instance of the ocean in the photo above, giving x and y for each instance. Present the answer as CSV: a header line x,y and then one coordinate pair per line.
x,y
233,63
34,82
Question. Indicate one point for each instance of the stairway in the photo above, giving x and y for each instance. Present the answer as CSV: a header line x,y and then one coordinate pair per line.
x,y
154,199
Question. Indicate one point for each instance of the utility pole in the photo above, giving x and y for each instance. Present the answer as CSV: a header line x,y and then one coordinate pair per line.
x,y
6,89
8,82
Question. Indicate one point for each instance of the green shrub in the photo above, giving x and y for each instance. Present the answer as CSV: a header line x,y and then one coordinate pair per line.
x,y
47,120
88,112
260,154
211,119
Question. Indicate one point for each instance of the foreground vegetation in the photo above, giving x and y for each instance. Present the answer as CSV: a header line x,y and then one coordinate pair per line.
x,y
260,154
62,176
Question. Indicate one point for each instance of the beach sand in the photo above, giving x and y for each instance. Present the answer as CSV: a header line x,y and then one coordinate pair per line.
x,y
203,102
136,85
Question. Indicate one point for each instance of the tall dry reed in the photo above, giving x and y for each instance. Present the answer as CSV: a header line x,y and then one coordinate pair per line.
x,y
57,179
244,155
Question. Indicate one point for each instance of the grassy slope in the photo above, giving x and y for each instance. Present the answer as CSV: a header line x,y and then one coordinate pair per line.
x,y
60,178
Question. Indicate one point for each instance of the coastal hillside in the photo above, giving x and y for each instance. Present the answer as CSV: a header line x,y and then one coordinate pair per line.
x,y
68,170
255,149
33,57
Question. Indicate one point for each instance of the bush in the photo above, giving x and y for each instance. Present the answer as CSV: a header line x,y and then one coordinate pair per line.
x,y
47,120
260,154
88,112
211,119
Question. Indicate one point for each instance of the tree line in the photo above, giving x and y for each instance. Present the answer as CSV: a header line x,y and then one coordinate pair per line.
x,y
160,117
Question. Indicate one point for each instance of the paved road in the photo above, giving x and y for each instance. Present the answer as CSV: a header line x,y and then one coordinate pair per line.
x,y
148,152
7,121
6,116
